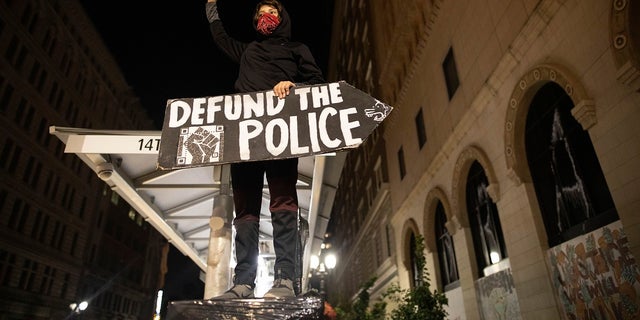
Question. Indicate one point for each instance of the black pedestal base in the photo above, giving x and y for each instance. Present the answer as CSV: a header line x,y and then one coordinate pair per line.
x,y
311,308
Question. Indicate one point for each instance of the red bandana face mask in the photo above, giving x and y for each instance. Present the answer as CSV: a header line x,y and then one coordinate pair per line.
x,y
267,23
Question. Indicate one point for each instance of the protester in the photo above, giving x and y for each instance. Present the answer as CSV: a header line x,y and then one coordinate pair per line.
x,y
271,62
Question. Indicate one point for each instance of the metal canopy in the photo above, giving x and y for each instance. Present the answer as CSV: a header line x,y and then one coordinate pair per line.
x,y
178,203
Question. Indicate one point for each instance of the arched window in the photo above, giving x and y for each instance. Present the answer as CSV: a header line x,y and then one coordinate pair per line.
x,y
446,251
414,271
571,189
484,221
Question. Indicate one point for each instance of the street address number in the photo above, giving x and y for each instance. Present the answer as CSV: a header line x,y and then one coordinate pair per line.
x,y
149,144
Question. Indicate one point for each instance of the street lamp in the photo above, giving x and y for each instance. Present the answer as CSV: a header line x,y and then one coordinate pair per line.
x,y
321,266
315,262
79,307
330,261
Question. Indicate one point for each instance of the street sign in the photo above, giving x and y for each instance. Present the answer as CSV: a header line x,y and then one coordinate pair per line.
x,y
122,144
256,126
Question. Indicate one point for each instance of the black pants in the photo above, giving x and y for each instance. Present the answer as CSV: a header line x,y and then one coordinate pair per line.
x,y
247,180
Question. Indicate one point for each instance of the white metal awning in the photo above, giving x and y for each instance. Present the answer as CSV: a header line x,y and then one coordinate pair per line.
x,y
178,203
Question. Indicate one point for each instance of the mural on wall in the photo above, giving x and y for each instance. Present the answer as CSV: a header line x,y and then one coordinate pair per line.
x,y
497,296
596,276
455,307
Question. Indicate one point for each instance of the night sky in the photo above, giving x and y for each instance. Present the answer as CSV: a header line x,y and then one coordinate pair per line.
x,y
165,50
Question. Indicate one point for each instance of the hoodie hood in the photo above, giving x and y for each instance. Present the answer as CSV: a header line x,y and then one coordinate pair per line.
x,y
282,31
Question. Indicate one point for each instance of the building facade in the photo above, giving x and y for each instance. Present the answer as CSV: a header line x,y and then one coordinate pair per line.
x,y
512,148
64,237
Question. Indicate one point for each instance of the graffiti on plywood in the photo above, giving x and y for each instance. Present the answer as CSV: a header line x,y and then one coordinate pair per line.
x,y
497,295
596,276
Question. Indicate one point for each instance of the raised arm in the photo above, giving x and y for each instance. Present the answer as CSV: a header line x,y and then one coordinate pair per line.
x,y
230,46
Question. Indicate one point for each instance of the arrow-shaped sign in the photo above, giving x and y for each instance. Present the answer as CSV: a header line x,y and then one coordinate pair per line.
x,y
259,126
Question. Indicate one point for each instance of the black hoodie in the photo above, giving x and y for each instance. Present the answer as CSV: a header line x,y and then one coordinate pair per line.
x,y
267,60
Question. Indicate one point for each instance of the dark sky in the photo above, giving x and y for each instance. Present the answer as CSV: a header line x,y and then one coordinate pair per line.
x,y
165,50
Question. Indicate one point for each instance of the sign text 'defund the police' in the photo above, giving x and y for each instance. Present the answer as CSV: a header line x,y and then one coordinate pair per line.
x,y
259,126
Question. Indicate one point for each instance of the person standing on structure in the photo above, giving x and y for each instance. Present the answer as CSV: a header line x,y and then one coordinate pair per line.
x,y
271,61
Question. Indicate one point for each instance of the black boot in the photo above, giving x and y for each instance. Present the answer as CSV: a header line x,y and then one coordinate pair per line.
x,y
246,252
286,245
247,261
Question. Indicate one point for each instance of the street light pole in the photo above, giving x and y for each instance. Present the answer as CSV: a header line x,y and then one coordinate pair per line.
x,y
321,266
322,271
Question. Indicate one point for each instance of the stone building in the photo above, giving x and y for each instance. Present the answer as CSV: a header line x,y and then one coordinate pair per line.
x,y
65,237
513,148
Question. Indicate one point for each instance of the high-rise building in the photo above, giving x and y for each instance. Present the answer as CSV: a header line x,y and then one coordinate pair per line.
x,y
512,149
65,237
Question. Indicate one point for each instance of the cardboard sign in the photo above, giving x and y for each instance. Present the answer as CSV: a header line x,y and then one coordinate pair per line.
x,y
259,126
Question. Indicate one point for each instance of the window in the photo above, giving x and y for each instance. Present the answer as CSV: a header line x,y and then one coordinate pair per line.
x,y
484,221
41,80
74,243
446,251
28,274
450,73
14,152
35,228
572,192
43,229
388,237
65,286
5,98
19,215
46,282
28,170
7,263
3,199
371,193
422,133
22,56
35,71
16,53
414,271
377,168
12,49
401,165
